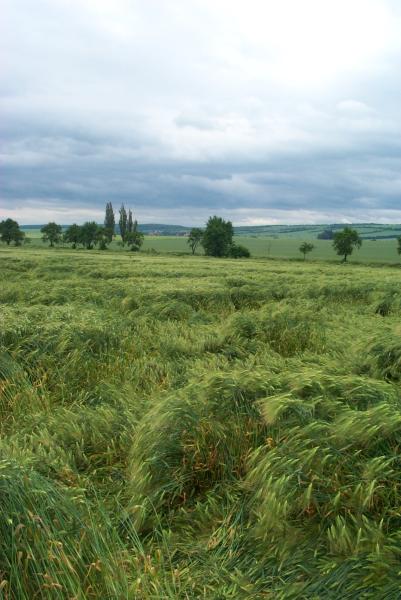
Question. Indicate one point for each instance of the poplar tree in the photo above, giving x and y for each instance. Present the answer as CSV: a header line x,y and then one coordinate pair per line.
x,y
123,223
109,222
130,223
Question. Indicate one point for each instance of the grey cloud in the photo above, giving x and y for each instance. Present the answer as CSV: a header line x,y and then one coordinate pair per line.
x,y
181,113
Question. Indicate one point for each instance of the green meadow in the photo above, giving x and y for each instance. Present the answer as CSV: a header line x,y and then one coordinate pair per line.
x,y
178,427
380,251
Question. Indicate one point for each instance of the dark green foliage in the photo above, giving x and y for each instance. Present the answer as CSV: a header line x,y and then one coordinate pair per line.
x,y
102,238
217,237
305,248
130,222
88,234
109,222
238,251
327,234
10,232
72,235
52,233
345,241
123,223
134,238
195,238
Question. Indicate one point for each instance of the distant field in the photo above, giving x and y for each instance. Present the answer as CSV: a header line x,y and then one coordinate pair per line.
x,y
384,251
379,251
306,232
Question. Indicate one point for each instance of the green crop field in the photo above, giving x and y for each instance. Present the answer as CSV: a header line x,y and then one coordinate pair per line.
x,y
382,250
177,427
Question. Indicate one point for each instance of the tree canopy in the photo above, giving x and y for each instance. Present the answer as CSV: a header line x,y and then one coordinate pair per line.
x,y
345,241
11,232
88,234
51,233
305,248
72,235
109,222
195,238
123,223
218,236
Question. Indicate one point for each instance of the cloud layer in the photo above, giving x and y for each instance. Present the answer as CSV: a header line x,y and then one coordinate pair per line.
x,y
260,111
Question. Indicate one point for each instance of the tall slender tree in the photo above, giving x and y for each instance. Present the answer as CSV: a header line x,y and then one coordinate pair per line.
x,y
123,223
109,222
130,224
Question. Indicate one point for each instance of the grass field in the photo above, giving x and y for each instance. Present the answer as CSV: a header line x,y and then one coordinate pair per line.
x,y
187,427
382,251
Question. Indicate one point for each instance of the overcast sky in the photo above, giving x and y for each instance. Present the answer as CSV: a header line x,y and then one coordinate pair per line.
x,y
261,111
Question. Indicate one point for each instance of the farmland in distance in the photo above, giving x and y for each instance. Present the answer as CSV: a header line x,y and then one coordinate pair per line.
x,y
262,246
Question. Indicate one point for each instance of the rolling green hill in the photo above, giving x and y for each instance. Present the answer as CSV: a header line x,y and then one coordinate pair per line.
x,y
366,230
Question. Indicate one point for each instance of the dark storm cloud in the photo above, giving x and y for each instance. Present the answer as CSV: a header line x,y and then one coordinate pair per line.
x,y
186,109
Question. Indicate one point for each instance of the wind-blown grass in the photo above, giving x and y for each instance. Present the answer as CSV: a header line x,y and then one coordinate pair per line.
x,y
196,428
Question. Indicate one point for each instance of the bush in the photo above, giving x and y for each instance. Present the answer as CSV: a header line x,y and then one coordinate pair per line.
x,y
238,251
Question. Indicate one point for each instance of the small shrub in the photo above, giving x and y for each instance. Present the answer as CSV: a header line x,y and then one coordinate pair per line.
x,y
238,251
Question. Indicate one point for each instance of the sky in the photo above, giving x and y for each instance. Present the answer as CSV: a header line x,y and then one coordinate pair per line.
x,y
259,111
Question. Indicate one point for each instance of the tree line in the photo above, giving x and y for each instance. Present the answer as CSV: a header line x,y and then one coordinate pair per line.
x,y
89,235
216,239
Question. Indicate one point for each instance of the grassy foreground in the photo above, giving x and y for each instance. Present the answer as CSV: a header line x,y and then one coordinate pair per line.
x,y
178,427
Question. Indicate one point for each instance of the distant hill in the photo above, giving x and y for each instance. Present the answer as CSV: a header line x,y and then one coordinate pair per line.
x,y
366,230
147,228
